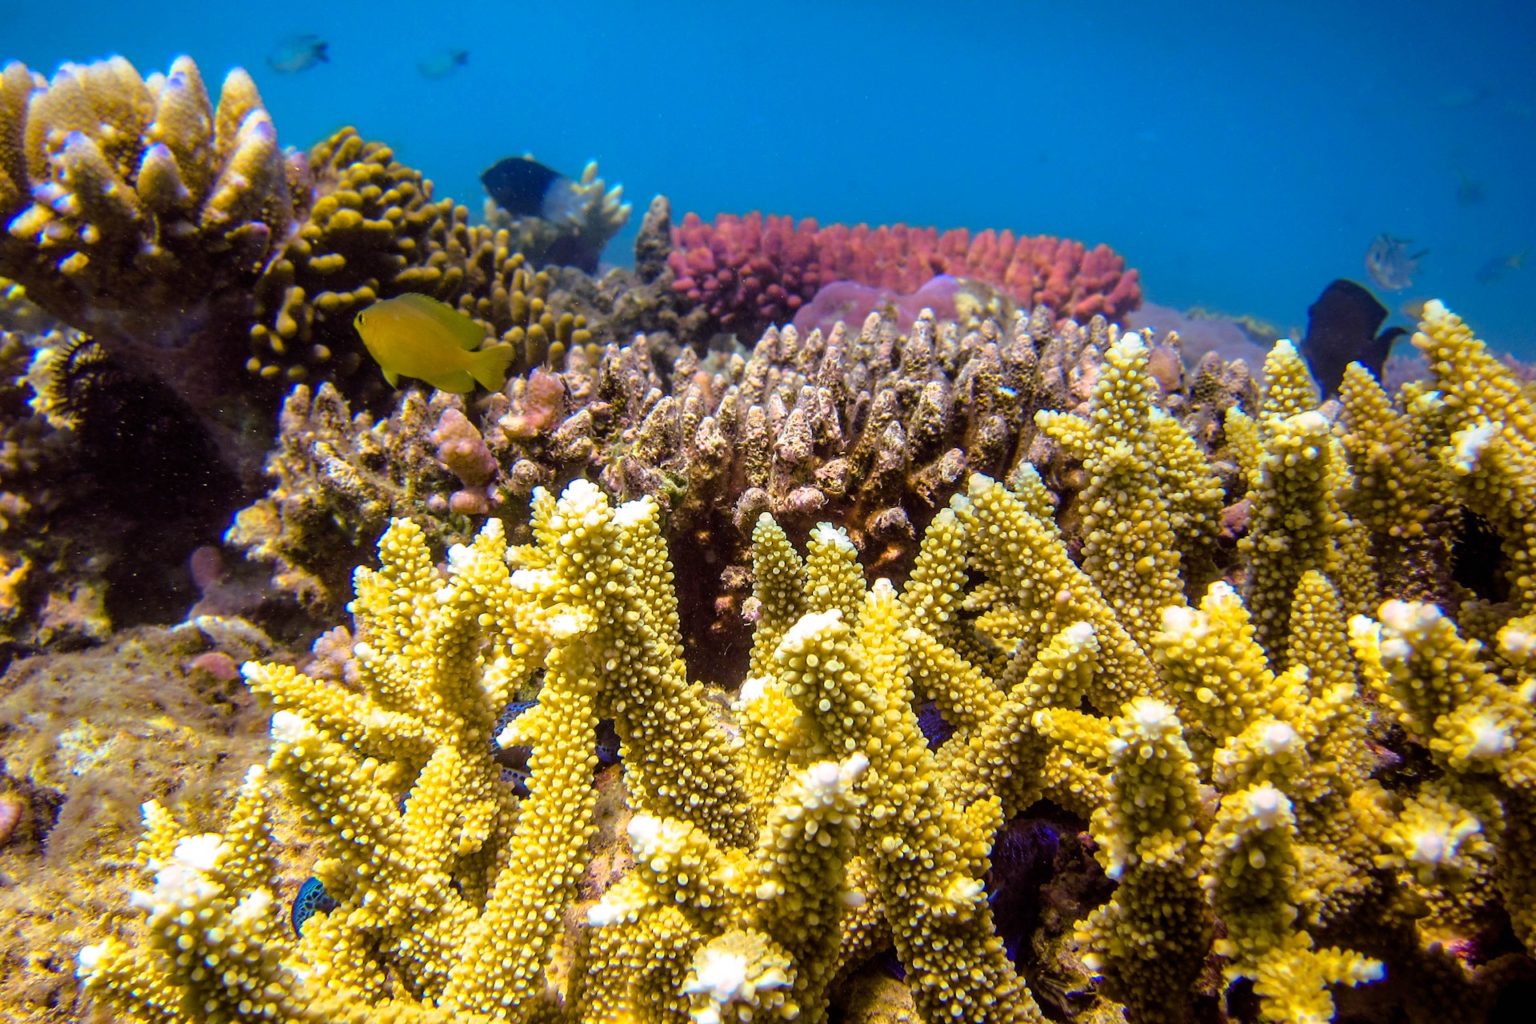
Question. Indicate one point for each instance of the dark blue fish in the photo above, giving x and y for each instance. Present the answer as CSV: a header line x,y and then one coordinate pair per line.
x,y
1341,329
298,53
311,900
521,185
514,760
526,188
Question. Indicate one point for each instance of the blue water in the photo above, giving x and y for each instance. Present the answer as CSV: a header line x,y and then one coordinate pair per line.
x,y
1241,155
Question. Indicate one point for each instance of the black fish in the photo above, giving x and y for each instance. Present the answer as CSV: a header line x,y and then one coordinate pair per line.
x,y
521,185
1341,329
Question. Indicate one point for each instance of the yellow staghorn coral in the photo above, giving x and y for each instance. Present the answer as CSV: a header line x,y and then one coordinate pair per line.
x,y
1252,881
1491,451
1130,543
1401,491
1276,791
1151,940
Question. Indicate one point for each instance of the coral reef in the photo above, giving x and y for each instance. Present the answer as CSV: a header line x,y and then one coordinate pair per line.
x,y
124,196
1304,789
873,428
752,271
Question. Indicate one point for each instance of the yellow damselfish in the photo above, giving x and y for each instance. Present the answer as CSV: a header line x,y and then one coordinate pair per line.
x,y
415,336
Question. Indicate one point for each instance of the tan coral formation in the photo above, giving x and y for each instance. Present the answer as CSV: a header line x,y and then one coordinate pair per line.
x,y
124,196
1236,767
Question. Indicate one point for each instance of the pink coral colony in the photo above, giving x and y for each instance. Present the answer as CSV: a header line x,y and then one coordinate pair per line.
x,y
753,270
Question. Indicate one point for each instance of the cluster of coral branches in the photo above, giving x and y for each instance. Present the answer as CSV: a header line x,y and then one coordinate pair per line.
x,y
752,271
1306,764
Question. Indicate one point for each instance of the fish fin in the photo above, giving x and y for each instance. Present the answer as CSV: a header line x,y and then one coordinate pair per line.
x,y
489,366
391,378
465,332
460,382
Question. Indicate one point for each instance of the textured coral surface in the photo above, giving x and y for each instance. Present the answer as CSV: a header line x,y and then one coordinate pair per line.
x,y
979,664
1305,789
755,270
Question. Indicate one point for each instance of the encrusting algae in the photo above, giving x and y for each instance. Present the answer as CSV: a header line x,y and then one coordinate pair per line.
x,y
1225,739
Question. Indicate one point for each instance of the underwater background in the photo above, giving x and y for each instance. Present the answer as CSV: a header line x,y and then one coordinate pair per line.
x,y
1239,155
504,593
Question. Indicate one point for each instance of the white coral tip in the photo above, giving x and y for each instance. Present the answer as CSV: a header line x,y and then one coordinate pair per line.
x,y
1267,807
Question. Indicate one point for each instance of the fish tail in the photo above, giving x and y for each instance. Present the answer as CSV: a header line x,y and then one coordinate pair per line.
x,y
489,366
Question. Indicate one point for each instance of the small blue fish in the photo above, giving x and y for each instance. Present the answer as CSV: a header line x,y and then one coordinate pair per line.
x,y
298,53
442,64
312,899
1468,191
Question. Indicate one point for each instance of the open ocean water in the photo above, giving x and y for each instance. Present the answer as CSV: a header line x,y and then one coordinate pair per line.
x,y
1240,155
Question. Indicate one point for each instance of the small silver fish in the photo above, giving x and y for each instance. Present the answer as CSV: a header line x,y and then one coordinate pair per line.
x,y
443,63
298,53
1390,264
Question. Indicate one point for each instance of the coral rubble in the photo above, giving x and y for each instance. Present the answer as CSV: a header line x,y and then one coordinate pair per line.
x,y
1303,784
85,738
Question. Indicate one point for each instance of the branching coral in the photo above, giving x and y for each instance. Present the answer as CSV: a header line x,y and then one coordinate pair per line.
x,y
874,428
337,481
183,239
1225,759
753,271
